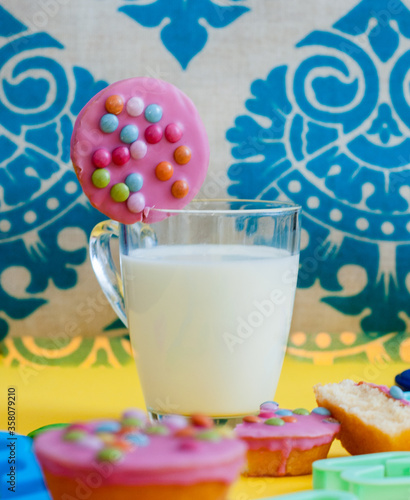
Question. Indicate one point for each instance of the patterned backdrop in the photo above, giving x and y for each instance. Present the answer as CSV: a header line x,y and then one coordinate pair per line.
x,y
303,101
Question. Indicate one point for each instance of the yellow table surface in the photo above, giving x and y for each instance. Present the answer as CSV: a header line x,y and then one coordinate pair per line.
x,y
59,394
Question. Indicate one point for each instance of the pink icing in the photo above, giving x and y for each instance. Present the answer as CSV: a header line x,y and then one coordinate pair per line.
x,y
386,390
307,432
178,111
165,460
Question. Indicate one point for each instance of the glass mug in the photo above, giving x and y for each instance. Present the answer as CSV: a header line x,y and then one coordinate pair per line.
x,y
207,295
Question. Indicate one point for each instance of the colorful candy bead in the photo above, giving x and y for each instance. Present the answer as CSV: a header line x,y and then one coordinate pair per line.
x,y
396,392
252,419
101,178
321,411
301,411
286,413
74,435
136,203
108,123
179,189
121,155
135,106
269,406
101,158
175,422
162,430
114,104
185,432
202,421
106,437
129,134
267,414
137,439
109,426
140,415
153,134
138,150
173,133
110,455
133,421
92,442
209,435
182,155
164,171
153,113
289,419
120,192
274,421
134,182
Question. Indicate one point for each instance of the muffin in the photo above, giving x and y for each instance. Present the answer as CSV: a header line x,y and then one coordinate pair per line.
x,y
285,442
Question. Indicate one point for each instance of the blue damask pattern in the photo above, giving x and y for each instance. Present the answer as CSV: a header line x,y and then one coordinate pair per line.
x,y
39,192
182,32
338,144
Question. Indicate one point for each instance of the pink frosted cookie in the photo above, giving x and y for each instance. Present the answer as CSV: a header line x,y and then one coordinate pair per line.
x,y
178,459
139,144
286,442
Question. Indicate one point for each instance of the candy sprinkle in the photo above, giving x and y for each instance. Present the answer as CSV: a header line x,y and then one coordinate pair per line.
x,y
274,421
301,411
321,411
396,392
109,455
252,419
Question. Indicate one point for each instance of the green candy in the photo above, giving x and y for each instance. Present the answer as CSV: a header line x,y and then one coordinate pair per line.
x,y
109,455
301,411
120,192
157,429
132,422
275,421
101,178
74,435
209,435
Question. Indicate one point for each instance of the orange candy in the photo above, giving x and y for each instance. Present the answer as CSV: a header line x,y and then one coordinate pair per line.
x,y
179,189
289,419
182,155
164,171
252,419
185,432
201,420
114,104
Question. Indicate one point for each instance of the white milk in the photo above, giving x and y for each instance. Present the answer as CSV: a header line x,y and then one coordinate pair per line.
x,y
209,324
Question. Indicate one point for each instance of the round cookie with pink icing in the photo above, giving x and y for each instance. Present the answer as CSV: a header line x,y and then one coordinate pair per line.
x,y
176,459
139,144
284,442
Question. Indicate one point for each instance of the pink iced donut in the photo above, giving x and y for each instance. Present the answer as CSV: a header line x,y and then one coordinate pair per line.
x,y
131,458
139,144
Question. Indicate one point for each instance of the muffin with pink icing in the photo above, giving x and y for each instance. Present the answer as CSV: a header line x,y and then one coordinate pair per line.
x,y
285,442
374,418
178,458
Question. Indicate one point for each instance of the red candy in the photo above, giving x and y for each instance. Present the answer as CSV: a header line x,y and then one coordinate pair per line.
x,y
101,158
173,133
121,155
267,414
153,134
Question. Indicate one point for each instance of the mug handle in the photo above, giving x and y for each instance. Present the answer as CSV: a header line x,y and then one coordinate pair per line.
x,y
104,268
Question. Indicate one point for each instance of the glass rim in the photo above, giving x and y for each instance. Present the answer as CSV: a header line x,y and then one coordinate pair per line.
x,y
277,207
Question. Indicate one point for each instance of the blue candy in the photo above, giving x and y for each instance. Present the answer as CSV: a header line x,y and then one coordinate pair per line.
x,y
321,411
137,439
396,392
129,134
403,380
153,113
134,182
108,426
108,123
284,413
